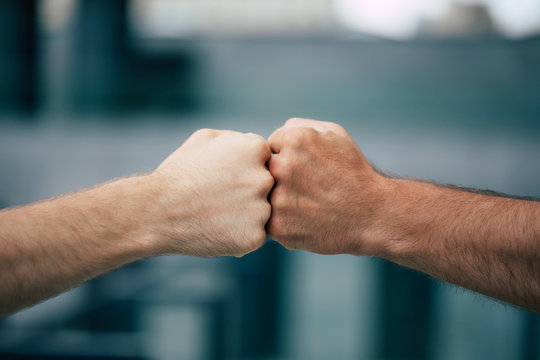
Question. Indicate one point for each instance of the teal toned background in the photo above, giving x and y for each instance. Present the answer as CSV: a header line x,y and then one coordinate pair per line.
x,y
96,101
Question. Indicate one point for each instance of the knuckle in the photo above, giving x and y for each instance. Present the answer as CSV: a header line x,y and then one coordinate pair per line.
x,y
257,239
286,169
298,137
206,133
230,134
267,211
279,198
273,165
258,144
294,121
267,181
262,212
310,134
260,237
277,227
271,226
203,132
255,137
281,168
336,127
293,137
261,148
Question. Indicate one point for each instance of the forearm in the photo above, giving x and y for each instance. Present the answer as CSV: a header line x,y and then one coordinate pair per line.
x,y
208,198
328,199
51,246
484,243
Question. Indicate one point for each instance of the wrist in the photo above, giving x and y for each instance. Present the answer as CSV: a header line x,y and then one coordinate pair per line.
x,y
405,218
135,206
390,226
167,217
369,236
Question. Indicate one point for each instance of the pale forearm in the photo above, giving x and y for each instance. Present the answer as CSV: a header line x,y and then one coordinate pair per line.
x,y
484,243
208,198
53,245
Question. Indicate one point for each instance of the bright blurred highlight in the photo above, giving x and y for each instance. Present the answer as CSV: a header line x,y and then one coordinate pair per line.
x,y
394,19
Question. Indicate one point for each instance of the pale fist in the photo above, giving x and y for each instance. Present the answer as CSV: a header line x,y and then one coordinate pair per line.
x,y
214,193
327,194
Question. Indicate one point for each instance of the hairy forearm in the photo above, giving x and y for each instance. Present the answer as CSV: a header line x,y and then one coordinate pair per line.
x,y
208,198
484,243
53,245
328,199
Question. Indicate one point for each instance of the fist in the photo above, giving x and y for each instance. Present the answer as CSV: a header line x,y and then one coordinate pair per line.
x,y
213,195
327,195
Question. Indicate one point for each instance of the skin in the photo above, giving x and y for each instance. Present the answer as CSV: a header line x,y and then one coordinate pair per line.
x,y
208,198
328,199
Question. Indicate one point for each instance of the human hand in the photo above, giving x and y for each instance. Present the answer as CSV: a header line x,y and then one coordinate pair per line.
x,y
327,195
213,194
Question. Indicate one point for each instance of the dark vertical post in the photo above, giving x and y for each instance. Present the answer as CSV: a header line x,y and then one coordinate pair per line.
x,y
405,311
18,55
101,53
261,299
531,337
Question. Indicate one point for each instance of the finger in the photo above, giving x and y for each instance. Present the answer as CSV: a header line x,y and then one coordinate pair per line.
x,y
293,137
270,227
275,141
278,169
317,125
279,200
262,148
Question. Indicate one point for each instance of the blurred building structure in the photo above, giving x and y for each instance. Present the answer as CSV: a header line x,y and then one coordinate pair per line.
x,y
95,89
461,21
186,18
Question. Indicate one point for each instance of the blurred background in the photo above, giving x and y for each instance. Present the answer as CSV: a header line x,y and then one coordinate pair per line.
x,y
438,89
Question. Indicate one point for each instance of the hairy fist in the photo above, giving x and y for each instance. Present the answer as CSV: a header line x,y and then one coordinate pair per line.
x,y
326,194
213,192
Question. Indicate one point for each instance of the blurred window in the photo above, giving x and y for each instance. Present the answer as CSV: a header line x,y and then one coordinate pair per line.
x,y
184,18
395,19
